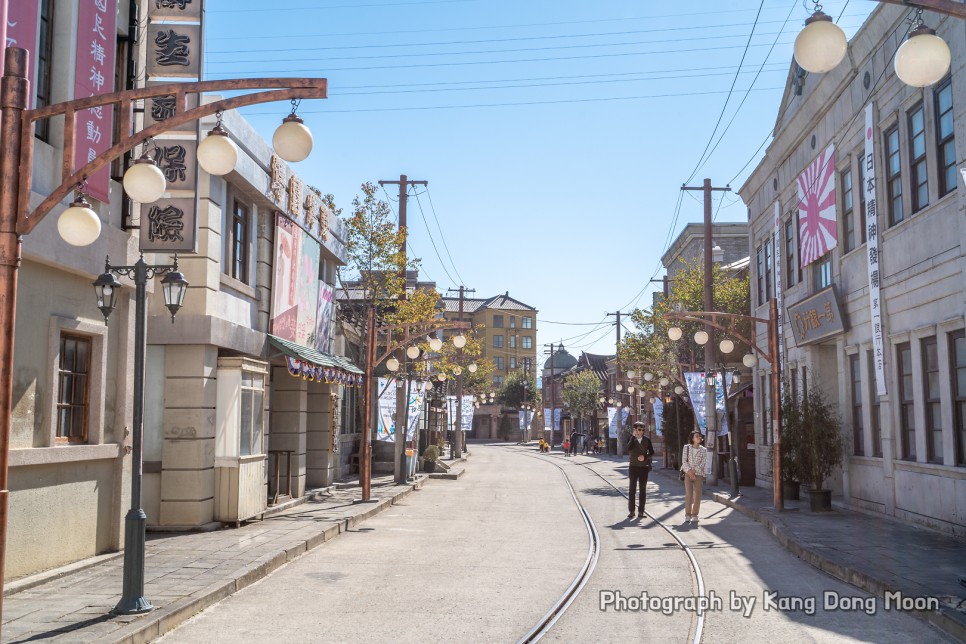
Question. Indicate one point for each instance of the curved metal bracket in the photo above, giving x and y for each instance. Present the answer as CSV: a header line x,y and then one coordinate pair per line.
x,y
412,331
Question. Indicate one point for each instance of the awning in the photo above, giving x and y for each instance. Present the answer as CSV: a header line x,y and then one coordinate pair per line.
x,y
309,364
741,389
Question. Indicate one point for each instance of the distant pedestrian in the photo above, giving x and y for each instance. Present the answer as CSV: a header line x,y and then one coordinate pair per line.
x,y
574,437
694,460
584,444
641,450
566,447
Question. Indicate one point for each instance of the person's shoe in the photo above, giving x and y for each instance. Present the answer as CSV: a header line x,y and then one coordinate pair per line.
x,y
630,516
640,516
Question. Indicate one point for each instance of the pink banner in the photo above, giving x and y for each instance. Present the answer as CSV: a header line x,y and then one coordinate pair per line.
x,y
23,23
818,226
93,76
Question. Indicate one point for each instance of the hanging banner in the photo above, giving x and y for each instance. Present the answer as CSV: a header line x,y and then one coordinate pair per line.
x,y
697,390
658,415
93,76
325,318
468,412
557,413
546,419
779,262
526,417
23,29
872,255
417,394
613,424
386,430
818,227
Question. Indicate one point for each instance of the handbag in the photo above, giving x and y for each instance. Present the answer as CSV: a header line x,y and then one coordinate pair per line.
x,y
681,473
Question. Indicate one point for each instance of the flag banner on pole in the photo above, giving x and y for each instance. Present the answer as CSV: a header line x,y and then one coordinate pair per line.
x,y
468,412
697,391
386,430
873,256
817,225
613,425
416,397
546,419
526,417
658,415
779,262
557,413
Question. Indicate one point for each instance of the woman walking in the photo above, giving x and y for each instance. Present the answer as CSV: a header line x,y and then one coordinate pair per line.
x,y
694,460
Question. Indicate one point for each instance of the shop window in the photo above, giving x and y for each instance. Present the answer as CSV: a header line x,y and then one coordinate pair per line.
x,y
252,413
73,384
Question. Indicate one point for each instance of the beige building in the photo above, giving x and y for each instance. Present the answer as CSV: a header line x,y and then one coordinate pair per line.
x,y
226,395
894,357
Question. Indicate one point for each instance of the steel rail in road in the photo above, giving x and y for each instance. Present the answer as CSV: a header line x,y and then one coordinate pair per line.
x,y
544,625
593,553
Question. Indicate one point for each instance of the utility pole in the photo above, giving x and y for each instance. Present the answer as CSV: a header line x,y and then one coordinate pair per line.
x,y
553,397
402,397
617,379
710,398
456,447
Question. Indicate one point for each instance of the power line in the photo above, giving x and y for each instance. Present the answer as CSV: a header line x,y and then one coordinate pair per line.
x,y
442,237
432,241
317,7
728,99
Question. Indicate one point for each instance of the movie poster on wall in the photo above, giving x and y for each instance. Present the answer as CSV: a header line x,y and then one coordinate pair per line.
x,y
306,290
325,319
302,304
284,303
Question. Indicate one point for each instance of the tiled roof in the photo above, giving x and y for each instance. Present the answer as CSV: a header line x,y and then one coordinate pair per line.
x,y
498,302
470,305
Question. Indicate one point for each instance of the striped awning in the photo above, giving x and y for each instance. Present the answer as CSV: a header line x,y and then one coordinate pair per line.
x,y
309,364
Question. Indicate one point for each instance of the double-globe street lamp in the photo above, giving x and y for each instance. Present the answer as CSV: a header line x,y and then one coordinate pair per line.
x,y
922,60
727,322
80,225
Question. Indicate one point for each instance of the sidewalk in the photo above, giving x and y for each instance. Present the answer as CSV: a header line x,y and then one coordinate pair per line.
x,y
184,572
876,554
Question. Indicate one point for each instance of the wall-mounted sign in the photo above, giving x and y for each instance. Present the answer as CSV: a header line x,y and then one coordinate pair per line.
x,y
162,108
303,205
178,161
168,225
174,50
817,317
23,29
174,10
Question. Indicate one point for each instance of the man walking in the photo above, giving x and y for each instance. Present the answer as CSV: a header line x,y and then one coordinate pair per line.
x,y
641,450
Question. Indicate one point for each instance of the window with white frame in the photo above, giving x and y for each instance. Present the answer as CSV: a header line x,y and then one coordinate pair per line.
x,y
957,358
252,414
527,342
527,323
945,138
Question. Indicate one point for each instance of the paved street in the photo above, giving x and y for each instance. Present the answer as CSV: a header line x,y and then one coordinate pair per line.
x,y
482,558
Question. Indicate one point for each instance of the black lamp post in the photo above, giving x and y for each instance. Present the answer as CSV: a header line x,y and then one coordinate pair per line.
x,y
174,286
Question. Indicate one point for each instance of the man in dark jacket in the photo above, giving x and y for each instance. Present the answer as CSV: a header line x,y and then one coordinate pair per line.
x,y
641,450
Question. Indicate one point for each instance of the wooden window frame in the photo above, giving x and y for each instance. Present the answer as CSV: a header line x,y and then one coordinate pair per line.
x,y
947,170
497,341
858,429
239,267
959,401
932,403
82,406
760,255
848,209
45,54
918,168
907,402
875,427
497,321
789,254
893,179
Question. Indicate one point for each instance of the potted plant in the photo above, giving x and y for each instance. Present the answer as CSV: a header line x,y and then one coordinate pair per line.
x,y
816,445
790,435
430,456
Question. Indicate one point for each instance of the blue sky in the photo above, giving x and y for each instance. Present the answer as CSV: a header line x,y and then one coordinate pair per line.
x,y
554,135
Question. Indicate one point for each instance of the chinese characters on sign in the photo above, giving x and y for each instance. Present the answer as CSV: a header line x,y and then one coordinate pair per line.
x,y
174,50
778,291
817,317
23,27
93,76
303,205
872,236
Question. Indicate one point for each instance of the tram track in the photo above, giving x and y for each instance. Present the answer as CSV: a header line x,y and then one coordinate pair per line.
x,y
544,625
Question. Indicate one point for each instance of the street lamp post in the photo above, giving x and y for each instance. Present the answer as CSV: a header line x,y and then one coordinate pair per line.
x,y
78,224
771,355
106,287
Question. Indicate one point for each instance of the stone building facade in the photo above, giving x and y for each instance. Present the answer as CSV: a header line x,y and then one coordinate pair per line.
x,y
904,423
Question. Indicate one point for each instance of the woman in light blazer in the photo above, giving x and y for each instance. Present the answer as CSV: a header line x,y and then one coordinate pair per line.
x,y
694,460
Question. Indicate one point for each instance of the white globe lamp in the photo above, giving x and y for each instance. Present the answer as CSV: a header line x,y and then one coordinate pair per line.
x,y
821,45
674,333
701,337
217,154
292,140
144,182
79,225
923,59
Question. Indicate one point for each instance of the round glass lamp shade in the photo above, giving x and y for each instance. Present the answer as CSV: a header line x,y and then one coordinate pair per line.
x,y
674,333
602,399
442,377
435,344
648,376
726,346
392,364
701,337
472,368
664,382
458,370
923,59
144,182
679,390
821,45
429,385
217,154
292,140
610,401
619,387
630,390
618,404
412,352
459,341
749,360
631,374
79,225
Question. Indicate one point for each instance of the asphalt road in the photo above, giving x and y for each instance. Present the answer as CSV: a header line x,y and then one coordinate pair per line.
x,y
481,559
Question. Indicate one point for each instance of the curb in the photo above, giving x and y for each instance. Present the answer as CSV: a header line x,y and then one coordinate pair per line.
x,y
940,619
448,476
166,619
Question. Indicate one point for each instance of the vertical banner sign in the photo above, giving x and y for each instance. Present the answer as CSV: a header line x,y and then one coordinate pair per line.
x,y
23,28
386,429
468,411
546,419
93,76
872,247
613,424
557,413
658,415
416,396
779,262
697,390
526,417
818,227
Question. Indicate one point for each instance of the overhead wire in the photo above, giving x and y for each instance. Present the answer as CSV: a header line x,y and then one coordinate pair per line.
x,y
431,240
442,237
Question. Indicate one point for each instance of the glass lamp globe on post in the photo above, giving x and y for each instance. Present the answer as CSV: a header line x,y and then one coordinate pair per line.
x,y
144,182
679,390
435,344
472,367
648,376
459,341
821,45
726,346
749,360
217,154
674,334
924,58
174,287
106,287
412,352
292,139
392,364
79,225
701,337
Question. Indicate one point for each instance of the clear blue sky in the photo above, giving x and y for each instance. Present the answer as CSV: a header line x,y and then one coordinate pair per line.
x,y
555,135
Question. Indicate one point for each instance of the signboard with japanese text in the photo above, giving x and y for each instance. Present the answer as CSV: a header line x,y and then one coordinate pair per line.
x,y
697,391
168,225
469,411
525,417
817,317
178,160
386,429
872,254
173,50
162,108
658,415
305,206
174,10
23,30
818,226
779,296
93,76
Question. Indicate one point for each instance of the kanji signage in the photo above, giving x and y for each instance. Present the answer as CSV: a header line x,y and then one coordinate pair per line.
x,y
93,76
23,29
174,10
303,205
162,108
174,50
168,225
178,161
872,254
817,317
